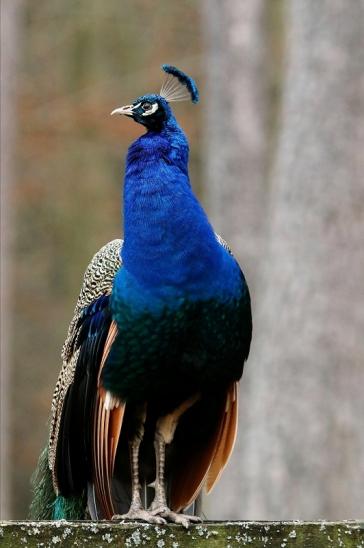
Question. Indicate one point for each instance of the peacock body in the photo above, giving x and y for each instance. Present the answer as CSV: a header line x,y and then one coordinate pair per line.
x,y
162,328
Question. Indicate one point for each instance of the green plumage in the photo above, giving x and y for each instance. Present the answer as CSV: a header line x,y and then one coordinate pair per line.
x,y
70,508
44,496
45,503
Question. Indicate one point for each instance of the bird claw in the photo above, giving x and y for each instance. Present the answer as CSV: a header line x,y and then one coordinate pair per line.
x,y
174,517
142,514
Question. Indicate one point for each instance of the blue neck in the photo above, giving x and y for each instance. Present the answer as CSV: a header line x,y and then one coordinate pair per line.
x,y
169,244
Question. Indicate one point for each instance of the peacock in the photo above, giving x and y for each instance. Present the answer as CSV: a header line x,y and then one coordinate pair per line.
x,y
144,413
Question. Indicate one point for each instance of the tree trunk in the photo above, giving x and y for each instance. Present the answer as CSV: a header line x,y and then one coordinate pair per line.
x,y
307,442
236,162
9,50
235,128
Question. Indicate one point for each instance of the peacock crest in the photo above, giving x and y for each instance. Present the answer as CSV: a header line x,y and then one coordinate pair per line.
x,y
178,86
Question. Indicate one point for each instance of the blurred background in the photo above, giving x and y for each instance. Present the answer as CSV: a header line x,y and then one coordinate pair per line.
x,y
277,159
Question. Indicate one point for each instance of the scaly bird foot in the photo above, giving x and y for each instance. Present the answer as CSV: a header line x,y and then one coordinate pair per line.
x,y
174,517
140,513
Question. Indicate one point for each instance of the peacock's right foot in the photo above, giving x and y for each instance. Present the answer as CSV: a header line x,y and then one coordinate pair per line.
x,y
139,513
174,517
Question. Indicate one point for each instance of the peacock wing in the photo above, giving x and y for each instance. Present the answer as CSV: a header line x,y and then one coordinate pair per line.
x,y
201,464
74,401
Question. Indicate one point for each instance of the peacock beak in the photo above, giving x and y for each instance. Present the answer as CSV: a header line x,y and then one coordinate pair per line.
x,y
127,110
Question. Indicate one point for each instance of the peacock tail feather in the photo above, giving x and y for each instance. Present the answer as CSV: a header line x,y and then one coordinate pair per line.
x,y
44,496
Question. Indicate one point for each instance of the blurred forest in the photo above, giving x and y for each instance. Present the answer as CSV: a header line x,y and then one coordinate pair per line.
x,y
277,160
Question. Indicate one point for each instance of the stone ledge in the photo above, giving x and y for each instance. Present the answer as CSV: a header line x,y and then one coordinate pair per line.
x,y
218,534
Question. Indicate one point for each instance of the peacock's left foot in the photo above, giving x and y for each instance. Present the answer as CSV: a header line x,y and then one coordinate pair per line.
x,y
174,517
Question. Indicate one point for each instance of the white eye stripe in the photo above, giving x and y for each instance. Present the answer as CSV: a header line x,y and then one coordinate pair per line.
x,y
151,110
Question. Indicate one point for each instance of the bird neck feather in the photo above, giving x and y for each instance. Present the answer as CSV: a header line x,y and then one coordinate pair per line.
x,y
168,238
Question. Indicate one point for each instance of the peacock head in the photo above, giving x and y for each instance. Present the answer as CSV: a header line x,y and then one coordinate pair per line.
x,y
153,110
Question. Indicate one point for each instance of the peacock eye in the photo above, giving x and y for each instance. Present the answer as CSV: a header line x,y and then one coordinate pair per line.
x,y
146,106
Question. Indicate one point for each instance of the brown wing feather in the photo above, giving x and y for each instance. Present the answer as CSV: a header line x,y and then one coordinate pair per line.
x,y
108,425
226,441
208,463
116,421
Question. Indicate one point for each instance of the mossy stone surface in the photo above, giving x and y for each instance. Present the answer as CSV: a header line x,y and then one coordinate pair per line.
x,y
254,534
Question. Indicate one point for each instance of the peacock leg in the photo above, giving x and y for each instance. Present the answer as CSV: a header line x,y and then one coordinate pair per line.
x,y
136,510
164,433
